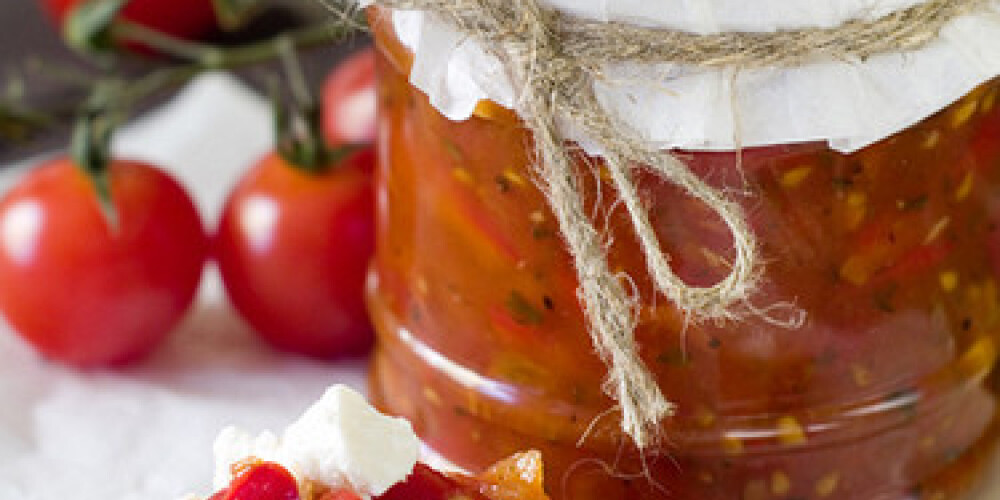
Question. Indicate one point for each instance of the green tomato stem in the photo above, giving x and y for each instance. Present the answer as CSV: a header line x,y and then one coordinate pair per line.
x,y
90,145
293,72
209,57
298,132
112,99
201,57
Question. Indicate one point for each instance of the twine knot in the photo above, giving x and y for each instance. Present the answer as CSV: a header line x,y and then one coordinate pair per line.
x,y
555,59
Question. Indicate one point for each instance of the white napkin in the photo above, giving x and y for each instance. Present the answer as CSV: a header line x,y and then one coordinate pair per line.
x,y
146,433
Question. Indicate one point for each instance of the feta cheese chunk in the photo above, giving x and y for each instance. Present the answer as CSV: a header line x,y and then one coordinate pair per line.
x,y
342,436
340,441
234,444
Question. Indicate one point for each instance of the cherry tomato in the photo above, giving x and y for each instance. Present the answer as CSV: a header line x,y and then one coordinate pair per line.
x,y
182,18
82,291
349,100
293,248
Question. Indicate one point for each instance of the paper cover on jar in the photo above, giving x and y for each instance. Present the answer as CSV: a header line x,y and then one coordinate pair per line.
x,y
849,104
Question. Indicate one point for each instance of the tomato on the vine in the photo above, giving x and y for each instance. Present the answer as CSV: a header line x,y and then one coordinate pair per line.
x,y
91,289
349,100
182,18
293,248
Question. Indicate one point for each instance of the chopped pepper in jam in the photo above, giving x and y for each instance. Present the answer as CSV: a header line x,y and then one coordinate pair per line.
x,y
886,391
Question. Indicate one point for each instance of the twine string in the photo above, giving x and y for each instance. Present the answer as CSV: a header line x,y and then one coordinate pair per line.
x,y
555,59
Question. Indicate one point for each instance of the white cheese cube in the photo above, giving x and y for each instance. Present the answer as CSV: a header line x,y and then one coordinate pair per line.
x,y
341,437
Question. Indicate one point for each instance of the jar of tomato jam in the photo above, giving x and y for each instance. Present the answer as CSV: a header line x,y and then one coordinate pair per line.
x,y
887,391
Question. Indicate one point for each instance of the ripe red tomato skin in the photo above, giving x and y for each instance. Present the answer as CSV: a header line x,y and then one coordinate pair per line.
x,y
83,295
189,19
349,100
293,248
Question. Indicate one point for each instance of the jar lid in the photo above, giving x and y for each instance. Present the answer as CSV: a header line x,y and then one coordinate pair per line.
x,y
847,103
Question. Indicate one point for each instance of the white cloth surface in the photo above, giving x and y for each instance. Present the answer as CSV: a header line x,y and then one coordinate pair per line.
x,y
146,432
849,104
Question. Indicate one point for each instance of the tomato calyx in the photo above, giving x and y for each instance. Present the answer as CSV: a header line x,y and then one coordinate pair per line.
x,y
87,27
298,128
298,138
90,150
234,14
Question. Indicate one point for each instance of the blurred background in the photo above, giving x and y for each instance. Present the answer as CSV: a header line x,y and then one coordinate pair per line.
x,y
38,71
164,412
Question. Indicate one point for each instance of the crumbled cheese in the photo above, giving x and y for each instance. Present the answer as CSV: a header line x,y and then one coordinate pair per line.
x,y
234,444
341,435
339,441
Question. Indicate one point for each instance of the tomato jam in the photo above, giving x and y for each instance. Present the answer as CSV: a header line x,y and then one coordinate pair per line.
x,y
886,392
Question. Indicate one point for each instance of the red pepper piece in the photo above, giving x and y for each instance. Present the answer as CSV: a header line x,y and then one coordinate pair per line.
x,y
467,217
425,483
984,147
505,324
262,481
917,261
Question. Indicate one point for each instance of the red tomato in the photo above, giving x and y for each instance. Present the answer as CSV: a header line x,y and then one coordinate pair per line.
x,y
349,100
262,481
182,18
84,293
293,248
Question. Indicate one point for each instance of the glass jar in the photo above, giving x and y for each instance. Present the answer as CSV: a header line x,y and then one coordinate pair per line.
x,y
887,391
